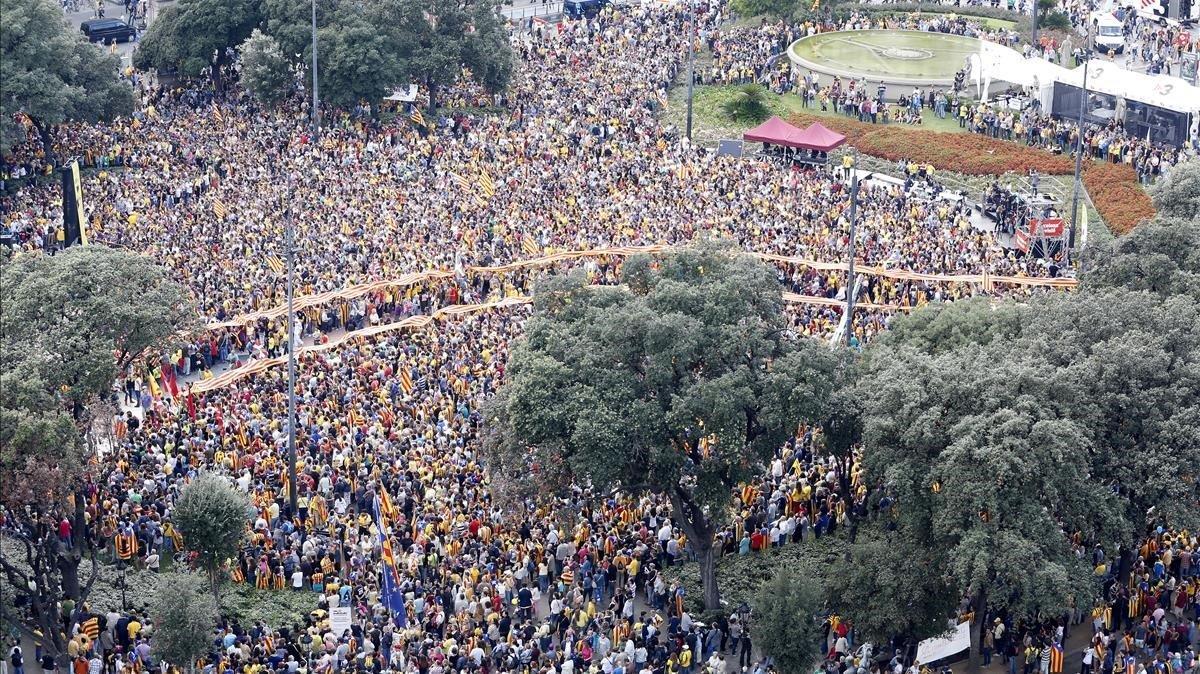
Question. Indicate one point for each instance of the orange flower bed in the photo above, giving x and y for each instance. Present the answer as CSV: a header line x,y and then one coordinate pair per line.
x,y
1114,188
1120,200
967,153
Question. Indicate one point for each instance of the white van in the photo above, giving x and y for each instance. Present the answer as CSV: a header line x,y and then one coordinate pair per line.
x,y
1108,33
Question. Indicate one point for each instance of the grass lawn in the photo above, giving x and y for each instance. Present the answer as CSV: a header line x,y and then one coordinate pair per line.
x,y
710,123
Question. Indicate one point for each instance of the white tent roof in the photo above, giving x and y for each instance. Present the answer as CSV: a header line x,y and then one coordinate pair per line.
x,y
1010,66
1161,90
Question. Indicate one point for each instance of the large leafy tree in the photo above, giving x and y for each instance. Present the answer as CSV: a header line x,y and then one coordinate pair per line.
x,y
1002,432
79,318
1161,256
682,382
290,23
785,622
184,615
51,74
357,60
266,72
191,36
435,39
1178,195
71,323
212,517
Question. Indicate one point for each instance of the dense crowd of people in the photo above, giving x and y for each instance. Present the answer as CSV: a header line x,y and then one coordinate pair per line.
x,y
388,426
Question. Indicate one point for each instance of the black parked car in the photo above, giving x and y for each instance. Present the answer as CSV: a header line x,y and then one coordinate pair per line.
x,y
107,31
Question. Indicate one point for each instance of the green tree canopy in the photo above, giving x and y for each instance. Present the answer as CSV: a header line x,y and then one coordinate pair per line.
x,y
52,74
71,323
191,35
184,616
1001,431
290,23
356,59
785,622
77,319
682,382
773,8
211,515
266,72
1178,195
1161,256
434,39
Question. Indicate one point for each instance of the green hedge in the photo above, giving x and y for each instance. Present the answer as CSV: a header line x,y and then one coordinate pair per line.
x,y
932,8
740,577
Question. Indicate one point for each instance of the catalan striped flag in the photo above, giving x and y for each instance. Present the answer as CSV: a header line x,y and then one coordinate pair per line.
x,y
417,118
242,438
529,245
218,208
1135,604
406,381
275,264
461,181
387,510
486,184
1056,659
216,113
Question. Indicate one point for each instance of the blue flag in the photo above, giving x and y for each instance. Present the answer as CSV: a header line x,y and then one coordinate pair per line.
x,y
389,584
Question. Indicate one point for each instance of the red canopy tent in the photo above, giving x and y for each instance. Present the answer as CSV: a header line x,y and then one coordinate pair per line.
x,y
774,131
817,137
778,132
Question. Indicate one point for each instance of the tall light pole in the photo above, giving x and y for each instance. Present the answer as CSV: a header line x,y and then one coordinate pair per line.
x,y
289,242
316,110
691,47
1035,18
853,253
1079,148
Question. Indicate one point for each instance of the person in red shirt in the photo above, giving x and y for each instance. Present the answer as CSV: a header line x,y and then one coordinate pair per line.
x,y
756,541
64,531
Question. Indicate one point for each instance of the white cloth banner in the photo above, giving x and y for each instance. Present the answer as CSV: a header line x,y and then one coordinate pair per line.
x,y
936,648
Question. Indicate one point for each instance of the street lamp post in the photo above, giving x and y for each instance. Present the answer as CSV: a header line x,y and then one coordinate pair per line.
x,y
1078,152
691,47
316,110
289,242
853,253
1035,19
124,602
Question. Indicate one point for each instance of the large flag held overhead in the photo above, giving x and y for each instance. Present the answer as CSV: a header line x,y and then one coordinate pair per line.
x,y
387,510
389,583
486,184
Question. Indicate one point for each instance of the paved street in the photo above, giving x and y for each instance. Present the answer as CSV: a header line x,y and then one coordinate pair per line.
x,y
527,9
113,9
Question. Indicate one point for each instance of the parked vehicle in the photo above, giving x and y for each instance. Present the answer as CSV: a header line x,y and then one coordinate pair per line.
x,y
107,31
